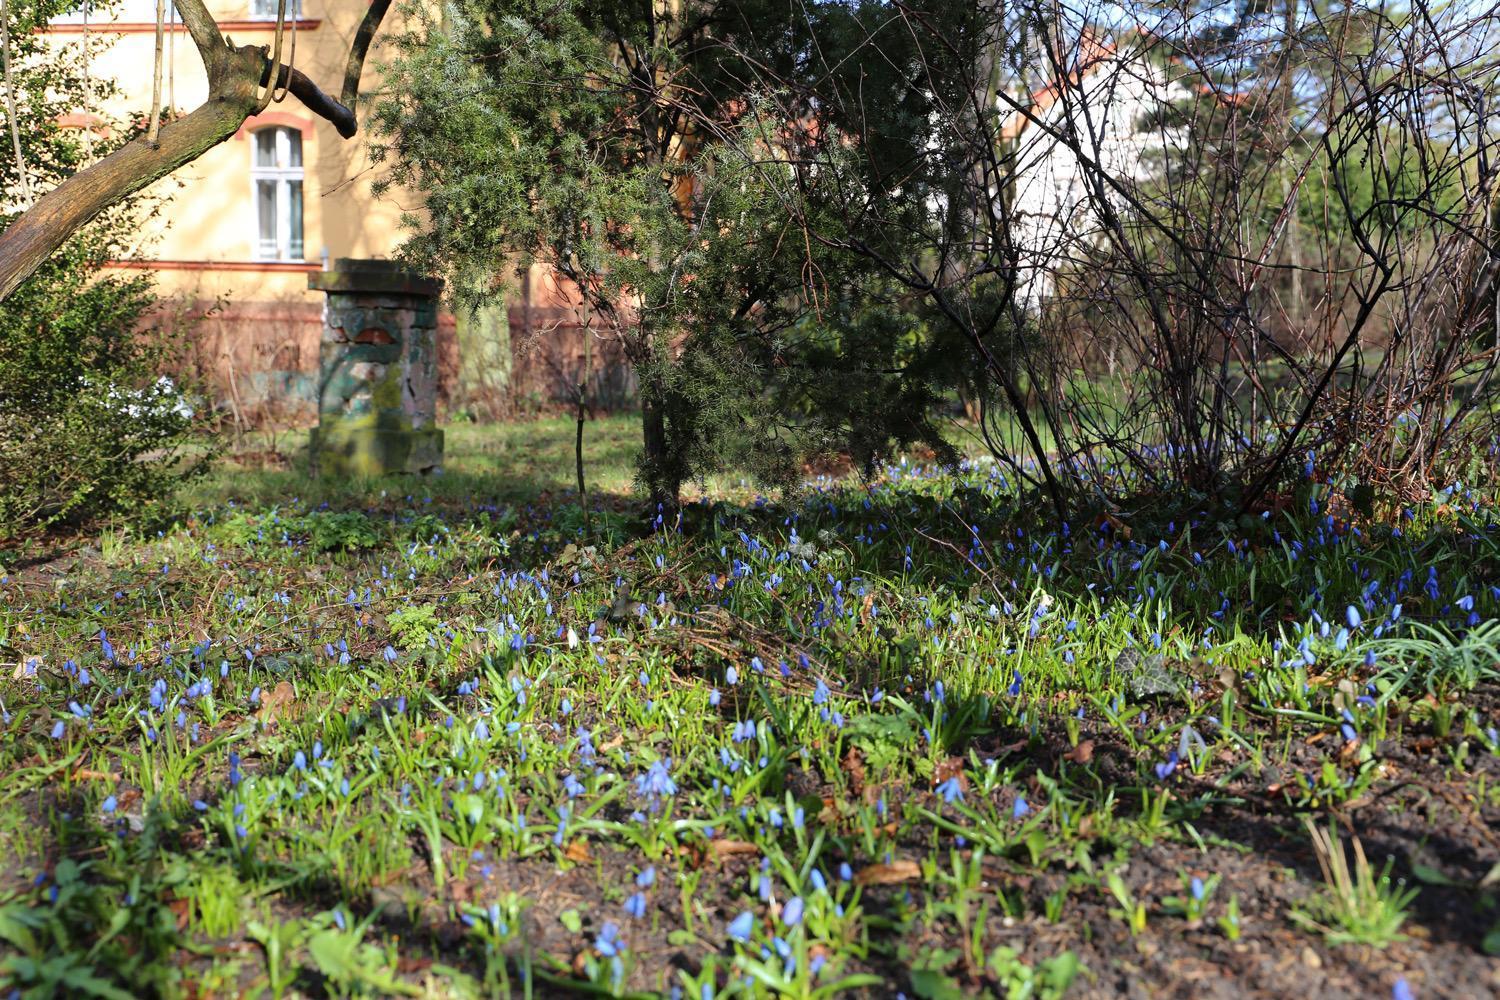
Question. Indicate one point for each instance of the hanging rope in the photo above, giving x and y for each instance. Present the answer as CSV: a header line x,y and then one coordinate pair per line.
x,y
10,102
172,60
291,58
88,82
153,128
275,59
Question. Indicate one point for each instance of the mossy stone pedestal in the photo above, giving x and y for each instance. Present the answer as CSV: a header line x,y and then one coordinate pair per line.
x,y
377,371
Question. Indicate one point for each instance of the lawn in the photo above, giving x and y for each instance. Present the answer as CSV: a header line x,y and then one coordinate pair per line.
x,y
426,737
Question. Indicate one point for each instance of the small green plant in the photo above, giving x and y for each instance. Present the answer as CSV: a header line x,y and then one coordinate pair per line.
x,y
341,531
279,939
1131,910
1194,902
338,949
1018,981
216,899
1355,905
1229,923
413,625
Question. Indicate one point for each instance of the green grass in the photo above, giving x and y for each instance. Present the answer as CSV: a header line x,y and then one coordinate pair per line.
x,y
424,737
514,461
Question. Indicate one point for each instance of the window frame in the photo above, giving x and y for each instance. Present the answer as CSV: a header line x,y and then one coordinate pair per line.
x,y
293,10
283,173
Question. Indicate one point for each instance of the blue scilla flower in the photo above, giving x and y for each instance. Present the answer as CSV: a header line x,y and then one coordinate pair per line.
x,y
657,781
741,927
608,943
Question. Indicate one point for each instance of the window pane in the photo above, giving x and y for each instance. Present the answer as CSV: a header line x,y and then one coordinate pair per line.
x,y
267,9
265,147
294,217
294,150
265,215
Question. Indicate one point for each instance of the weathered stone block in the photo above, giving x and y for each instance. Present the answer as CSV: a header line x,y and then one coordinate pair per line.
x,y
377,385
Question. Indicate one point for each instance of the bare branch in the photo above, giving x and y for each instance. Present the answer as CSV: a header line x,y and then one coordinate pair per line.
x,y
359,48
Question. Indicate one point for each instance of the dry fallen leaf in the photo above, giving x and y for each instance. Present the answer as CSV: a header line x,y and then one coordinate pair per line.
x,y
854,767
181,909
726,848
278,703
953,767
892,874
1082,753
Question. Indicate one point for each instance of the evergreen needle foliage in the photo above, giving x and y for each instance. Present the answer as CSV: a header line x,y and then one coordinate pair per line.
x,y
634,156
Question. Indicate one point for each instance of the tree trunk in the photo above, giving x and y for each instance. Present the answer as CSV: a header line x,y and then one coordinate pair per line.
x,y
657,464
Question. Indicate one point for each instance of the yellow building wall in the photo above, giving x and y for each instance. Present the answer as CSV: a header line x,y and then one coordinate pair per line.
x,y
251,326
260,315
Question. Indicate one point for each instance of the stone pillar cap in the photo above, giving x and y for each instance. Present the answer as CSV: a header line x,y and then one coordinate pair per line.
x,y
352,274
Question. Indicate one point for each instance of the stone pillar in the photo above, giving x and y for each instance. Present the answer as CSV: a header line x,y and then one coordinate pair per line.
x,y
377,371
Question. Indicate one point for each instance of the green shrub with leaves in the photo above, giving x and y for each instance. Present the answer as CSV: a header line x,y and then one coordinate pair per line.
x,y
89,427
330,531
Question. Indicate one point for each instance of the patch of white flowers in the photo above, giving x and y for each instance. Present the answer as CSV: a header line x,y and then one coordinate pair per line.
x,y
156,400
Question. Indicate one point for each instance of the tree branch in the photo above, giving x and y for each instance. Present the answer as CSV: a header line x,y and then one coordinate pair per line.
x,y
77,201
358,49
340,116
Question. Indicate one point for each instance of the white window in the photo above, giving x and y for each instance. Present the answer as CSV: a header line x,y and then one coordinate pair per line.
x,y
265,10
276,176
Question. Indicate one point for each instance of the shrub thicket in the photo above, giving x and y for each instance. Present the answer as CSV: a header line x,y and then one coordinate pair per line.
x,y
88,425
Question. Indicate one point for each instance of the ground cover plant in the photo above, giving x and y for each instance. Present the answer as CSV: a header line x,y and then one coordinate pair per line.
x,y
893,737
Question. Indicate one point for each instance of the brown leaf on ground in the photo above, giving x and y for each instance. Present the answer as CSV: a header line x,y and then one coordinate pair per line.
x,y
892,874
278,703
1000,749
181,909
1082,753
953,767
728,848
830,811
854,767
